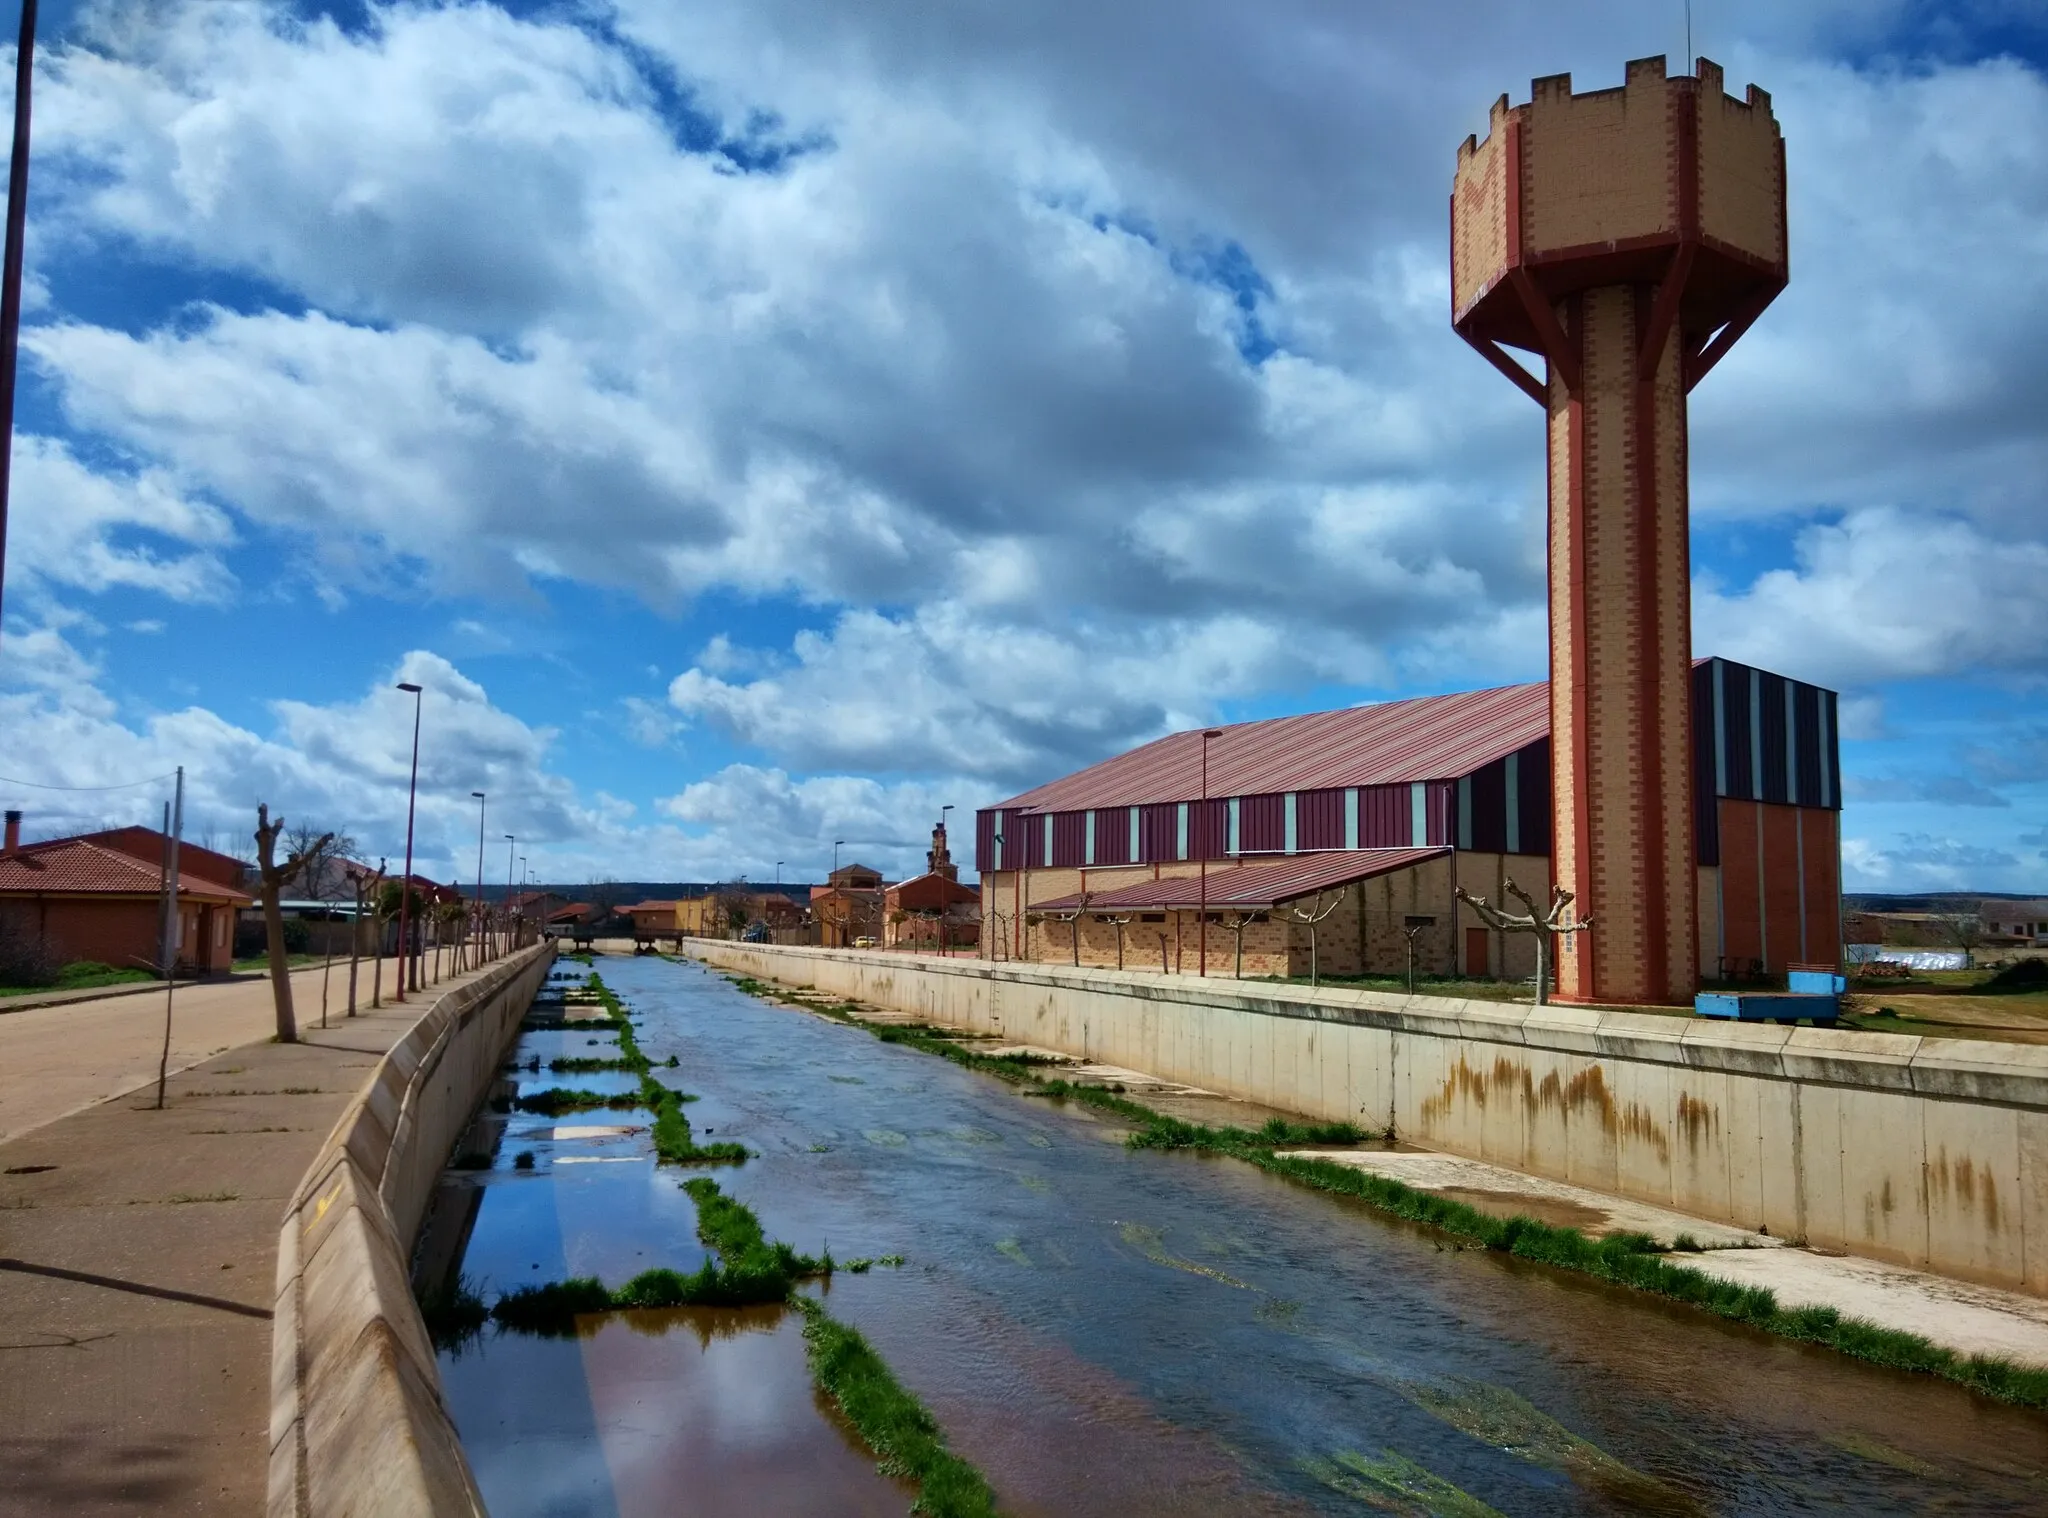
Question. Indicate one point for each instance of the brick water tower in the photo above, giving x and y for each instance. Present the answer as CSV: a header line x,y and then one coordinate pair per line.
x,y
1629,237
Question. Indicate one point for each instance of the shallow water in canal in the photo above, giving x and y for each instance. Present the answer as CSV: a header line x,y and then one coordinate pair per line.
x,y
1106,1332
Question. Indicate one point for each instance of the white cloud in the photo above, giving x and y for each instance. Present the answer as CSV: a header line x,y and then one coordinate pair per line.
x,y
78,528
1888,595
751,817
981,372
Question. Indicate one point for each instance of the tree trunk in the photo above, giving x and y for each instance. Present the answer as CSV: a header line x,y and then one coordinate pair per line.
x,y
1543,953
280,968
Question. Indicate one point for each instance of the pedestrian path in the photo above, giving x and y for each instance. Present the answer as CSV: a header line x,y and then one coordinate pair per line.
x,y
138,1248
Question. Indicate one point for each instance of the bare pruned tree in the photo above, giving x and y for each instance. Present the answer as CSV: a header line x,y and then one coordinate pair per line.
x,y
1546,925
273,876
367,888
1119,923
1960,930
1309,917
319,852
1235,923
1072,918
996,935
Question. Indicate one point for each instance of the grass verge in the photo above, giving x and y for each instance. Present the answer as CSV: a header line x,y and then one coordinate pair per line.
x,y
1629,1259
894,1424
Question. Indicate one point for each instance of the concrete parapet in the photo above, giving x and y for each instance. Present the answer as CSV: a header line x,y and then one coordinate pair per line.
x,y
1925,1152
357,1425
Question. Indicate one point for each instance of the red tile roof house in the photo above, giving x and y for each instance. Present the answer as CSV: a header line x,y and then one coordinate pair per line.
x,y
84,900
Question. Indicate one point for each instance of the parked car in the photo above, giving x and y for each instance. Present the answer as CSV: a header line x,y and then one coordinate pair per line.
x,y
863,943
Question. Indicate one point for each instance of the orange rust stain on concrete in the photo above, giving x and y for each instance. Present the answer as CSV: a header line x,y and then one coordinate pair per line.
x,y
1698,1119
1585,1094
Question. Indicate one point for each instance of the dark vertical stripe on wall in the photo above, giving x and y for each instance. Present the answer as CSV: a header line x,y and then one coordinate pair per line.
x,y
1261,824
1771,700
1735,722
1208,831
1533,773
1704,812
984,842
1383,815
1158,833
1806,704
1069,839
1490,807
1319,820
1831,751
1113,836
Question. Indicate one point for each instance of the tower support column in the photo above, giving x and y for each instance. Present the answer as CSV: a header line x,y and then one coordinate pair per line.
x,y
1620,619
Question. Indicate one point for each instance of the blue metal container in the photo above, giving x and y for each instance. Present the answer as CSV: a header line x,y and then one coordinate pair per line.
x,y
1816,983
1767,1006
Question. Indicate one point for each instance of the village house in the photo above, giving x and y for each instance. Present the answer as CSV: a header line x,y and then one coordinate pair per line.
x,y
77,899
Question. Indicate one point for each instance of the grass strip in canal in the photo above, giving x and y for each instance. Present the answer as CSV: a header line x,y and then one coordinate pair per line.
x,y
894,1424
674,1141
1625,1259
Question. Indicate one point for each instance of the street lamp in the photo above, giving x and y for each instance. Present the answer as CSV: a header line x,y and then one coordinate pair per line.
x,y
835,854
946,907
479,913
10,268
510,844
405,885
1202,932
778,874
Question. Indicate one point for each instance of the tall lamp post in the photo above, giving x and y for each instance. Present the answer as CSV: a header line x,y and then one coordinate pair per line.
x,y
511,845
405,884
479,913
1202,836
945,906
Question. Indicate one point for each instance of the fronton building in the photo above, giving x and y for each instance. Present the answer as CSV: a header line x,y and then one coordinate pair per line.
x,y
1367,819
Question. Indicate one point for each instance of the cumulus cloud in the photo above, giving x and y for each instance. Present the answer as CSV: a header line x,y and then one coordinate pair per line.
x,y
76,528
1888,595
751,817
1077,371
1944,790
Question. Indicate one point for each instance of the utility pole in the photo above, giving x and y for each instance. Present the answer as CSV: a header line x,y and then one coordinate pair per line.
x,y
10,274
163,1064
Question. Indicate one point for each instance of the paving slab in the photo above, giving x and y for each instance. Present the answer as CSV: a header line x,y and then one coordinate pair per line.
x,y
138,1254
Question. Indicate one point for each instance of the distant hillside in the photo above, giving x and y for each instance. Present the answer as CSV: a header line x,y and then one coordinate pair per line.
x,y
1928,901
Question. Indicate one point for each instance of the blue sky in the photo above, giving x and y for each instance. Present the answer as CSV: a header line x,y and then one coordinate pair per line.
x,y
760,424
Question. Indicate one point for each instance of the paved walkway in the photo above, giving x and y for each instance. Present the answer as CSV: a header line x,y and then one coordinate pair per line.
x,y
138,1248
57,1059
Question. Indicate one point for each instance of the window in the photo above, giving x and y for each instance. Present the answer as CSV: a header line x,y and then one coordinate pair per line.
x,y
1152,917
1418,922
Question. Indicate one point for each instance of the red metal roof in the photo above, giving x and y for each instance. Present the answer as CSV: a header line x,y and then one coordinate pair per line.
x,y
1425,738
1251,885
71,866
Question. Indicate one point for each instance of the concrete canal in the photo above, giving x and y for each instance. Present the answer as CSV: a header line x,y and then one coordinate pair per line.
x,y
1103,1331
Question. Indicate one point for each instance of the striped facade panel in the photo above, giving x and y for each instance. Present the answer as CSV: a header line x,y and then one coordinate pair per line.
x,y
1807,701
1438,812
1261,824
1736,780
1319,819
1383,817
1532,799
985,827
1158,833
1706,812
1769,741
1208,829
1069,840
1483,809
1029,833
1113,836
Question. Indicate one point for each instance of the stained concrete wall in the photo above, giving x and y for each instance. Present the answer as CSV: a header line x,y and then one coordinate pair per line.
x,y
1928,1152
356,1423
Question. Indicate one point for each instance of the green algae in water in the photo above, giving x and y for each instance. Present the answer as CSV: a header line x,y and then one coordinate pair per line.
x,y
1037,1183
1280,1312
1395,1484
1514,1425
1150,1243
886,1136
849,1080
1010,1249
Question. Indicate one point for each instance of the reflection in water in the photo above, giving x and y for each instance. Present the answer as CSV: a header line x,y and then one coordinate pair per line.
x,y
1108,1332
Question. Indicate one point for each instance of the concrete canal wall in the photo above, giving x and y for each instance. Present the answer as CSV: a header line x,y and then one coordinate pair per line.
x,y
357,1424
1928,1152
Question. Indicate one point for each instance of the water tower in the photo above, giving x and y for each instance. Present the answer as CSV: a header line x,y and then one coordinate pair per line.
x,y
1629,237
